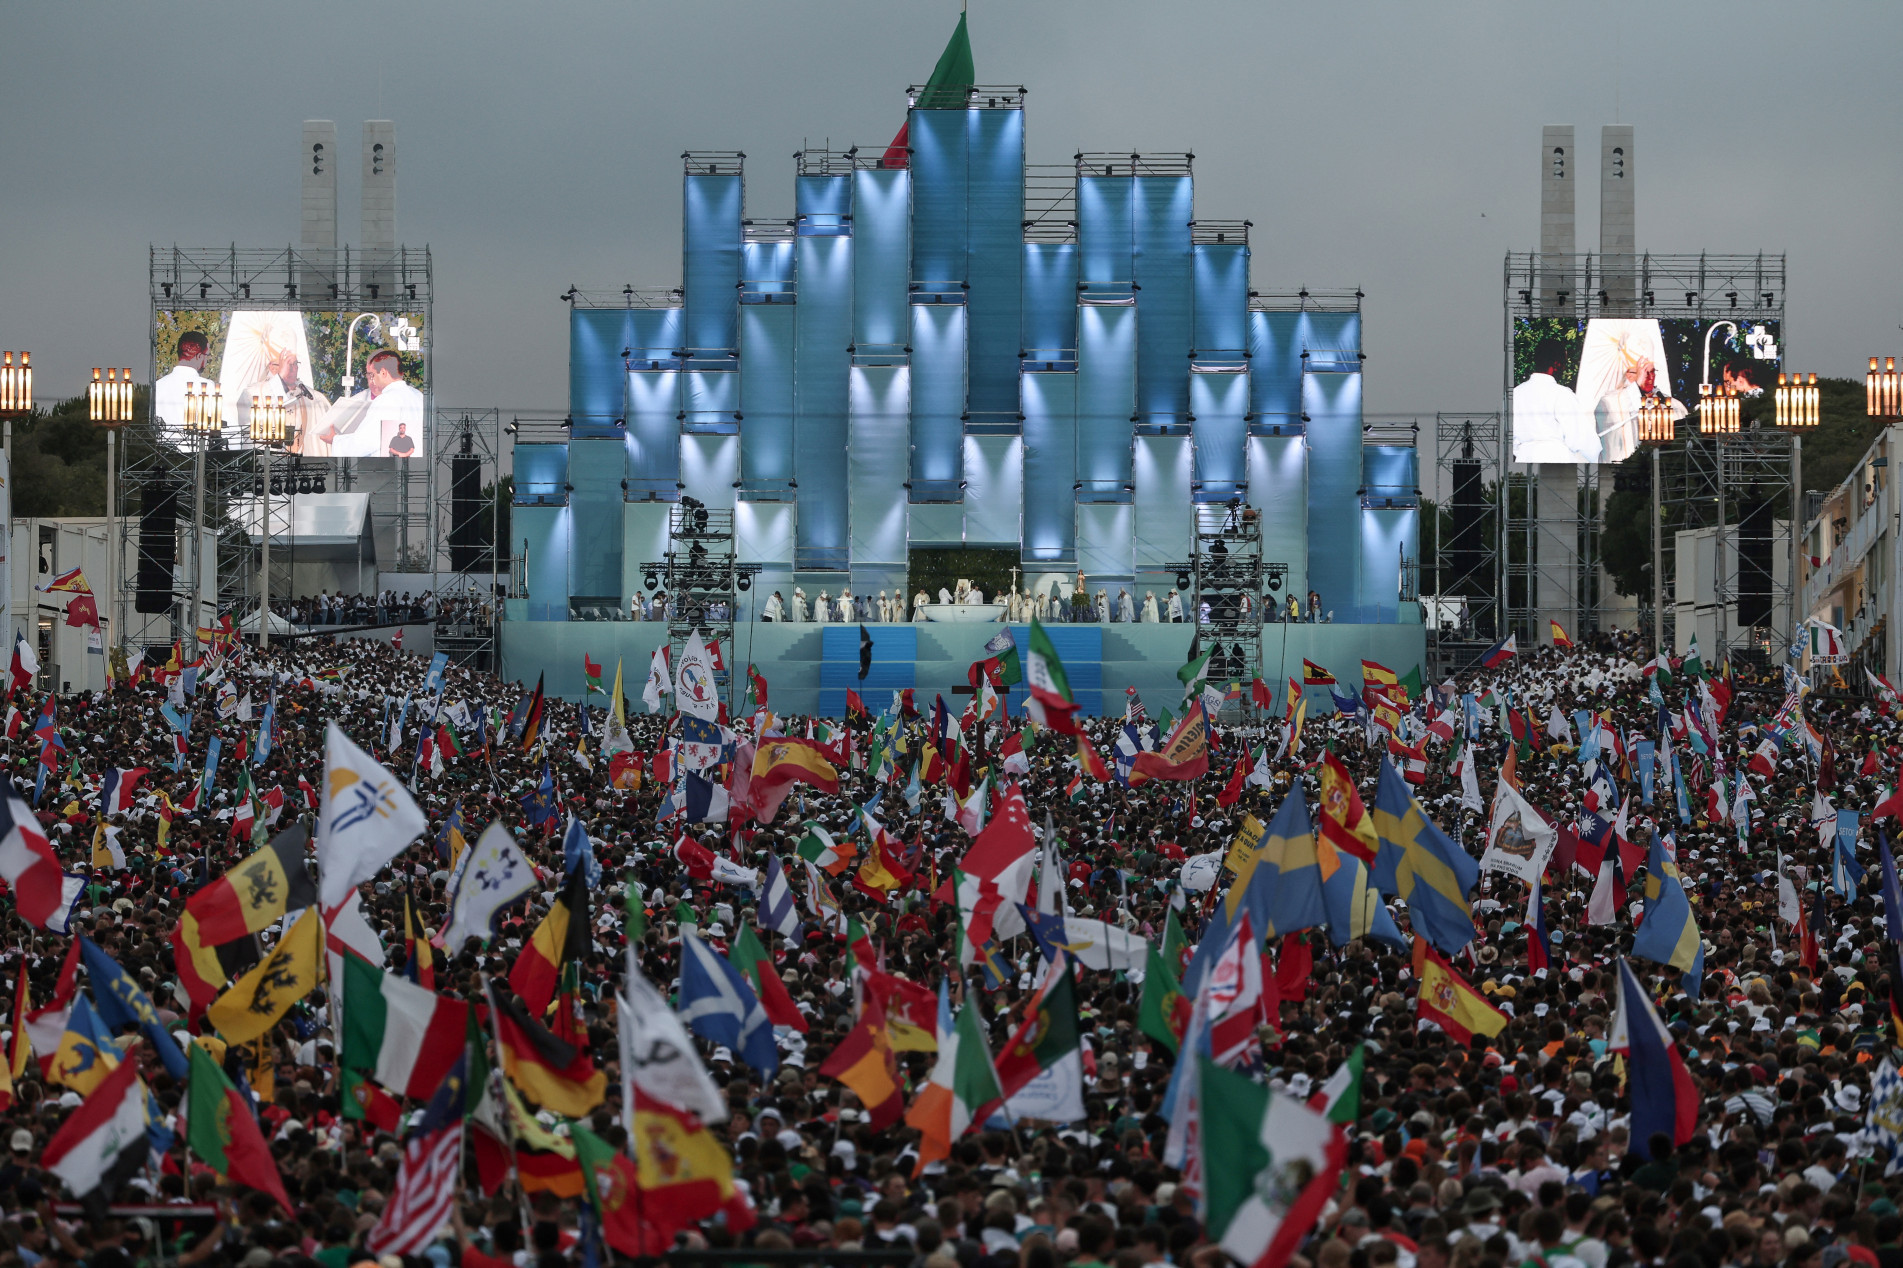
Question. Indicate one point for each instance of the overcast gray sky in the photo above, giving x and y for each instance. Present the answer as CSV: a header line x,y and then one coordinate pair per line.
x,y
1387,145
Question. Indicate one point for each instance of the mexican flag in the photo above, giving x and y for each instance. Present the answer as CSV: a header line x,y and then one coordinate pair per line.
x,y
962,1081
1269,1166
1050,704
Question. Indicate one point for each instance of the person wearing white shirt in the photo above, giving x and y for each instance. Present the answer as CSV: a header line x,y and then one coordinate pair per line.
x,y
362,425
1550,423
168,394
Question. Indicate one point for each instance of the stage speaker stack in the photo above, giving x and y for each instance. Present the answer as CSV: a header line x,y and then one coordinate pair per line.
x,y
466,544
1754,563
158,547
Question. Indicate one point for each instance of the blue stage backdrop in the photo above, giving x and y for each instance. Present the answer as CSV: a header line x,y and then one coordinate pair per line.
x,y
911,362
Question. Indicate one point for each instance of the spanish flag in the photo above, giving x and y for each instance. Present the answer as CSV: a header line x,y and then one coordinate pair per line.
x,y
1314,675
557,1076
1559,635
786,759
561,938
1377,676
864,1061
1448,1001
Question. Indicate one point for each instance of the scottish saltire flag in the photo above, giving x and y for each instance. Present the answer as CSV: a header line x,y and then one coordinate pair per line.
x,y
717,1004
778,911
1664,1099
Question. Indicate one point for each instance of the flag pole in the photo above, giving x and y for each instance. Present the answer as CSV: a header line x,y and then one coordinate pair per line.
x,y
508,1118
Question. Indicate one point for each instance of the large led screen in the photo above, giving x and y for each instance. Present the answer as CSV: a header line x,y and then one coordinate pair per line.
x,y
1578,385
354,382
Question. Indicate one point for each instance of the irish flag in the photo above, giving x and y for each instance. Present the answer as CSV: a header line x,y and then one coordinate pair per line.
x,y
1269,1165
961,1082
396,1032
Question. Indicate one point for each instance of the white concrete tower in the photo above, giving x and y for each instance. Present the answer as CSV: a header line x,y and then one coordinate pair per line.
x,y
378,241
1618,231
1558,176
317,218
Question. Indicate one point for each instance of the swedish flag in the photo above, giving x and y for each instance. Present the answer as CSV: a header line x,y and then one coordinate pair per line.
x,y
1283,891
1668,934
1420,863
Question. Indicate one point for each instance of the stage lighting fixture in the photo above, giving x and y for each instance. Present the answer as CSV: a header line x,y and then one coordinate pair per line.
x,y
743,583
1182,581
650,580
317,483
1275,583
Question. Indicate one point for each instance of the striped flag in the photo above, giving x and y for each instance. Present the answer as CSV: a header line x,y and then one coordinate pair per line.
x,y
426,1180
778,911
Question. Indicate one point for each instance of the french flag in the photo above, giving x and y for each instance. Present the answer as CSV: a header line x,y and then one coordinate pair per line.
x,y
116,788
1663,1097
1500,653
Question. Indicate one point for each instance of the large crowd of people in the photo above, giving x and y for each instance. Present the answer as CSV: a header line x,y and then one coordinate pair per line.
x,y
1514,1149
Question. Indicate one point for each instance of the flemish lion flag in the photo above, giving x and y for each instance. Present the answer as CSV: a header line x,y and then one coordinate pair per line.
x,y
257,1001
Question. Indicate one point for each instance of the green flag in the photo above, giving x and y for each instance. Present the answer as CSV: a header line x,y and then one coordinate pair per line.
x,y
221,1130
1343,1088
637,925
1196,668
1411,683
1164,1011
950,82
1175,944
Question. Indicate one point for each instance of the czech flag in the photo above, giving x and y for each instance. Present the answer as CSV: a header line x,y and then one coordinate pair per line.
x,y
1663,1097
1500,653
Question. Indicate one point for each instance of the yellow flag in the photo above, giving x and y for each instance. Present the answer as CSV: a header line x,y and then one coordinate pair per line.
x,y
257,1000
1242,857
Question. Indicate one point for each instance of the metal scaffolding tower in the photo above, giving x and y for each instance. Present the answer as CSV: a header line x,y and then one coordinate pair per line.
x,y
1227,572
701,576
1462,604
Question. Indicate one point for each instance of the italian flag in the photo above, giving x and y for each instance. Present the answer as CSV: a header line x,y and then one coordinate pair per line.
x,y
1050,704
962,1081
1269,1165
398,1033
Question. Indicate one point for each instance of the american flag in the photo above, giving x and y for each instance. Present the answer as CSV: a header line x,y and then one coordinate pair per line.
x,y
426,1180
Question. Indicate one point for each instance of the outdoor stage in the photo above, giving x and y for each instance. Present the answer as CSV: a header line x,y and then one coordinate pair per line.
x,y
808,667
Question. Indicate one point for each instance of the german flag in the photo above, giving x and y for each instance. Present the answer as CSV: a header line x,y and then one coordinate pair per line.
x,y
1314,675
532,717
419,960
561,938
555,1075
785,759
864,1061
217,937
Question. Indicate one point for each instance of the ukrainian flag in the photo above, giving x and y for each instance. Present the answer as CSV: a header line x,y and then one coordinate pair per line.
x,y
1420,863
1668,934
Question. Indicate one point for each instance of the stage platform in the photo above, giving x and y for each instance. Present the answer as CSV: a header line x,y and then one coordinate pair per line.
x,y
809,667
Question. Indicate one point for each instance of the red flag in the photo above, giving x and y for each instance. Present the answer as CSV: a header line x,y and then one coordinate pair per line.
x,y
1232,791
1260,695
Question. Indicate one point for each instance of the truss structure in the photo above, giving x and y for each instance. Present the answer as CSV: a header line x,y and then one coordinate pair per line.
x,y
1227,572
221,280
1552,526
468,558
1463,603
701,576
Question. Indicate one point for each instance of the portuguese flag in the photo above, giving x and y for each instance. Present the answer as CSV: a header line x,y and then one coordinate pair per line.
x,y
1047,1035
222,1132
1164,1012
945,90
